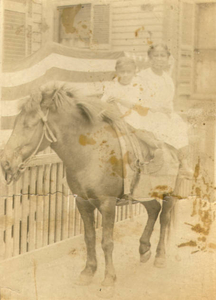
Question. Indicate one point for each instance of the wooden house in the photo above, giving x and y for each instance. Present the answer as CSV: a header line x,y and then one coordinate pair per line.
x,y
188,27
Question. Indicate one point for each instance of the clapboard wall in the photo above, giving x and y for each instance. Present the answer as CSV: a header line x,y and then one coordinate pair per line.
x,y
133,25
136,25
22,29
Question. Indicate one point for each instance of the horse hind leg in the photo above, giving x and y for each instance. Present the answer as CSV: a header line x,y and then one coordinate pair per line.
x,y
107,209
86,210
165,222
153,208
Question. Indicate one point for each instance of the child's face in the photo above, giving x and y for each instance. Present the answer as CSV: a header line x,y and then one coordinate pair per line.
x,y
125,74
159,58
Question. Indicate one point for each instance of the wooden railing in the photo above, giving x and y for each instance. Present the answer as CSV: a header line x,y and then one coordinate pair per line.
x,y
40,210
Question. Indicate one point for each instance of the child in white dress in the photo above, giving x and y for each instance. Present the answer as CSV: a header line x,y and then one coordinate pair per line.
x,y
146,103
126,92
158,94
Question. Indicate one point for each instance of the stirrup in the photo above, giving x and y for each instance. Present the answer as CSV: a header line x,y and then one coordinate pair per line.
x,y
155,164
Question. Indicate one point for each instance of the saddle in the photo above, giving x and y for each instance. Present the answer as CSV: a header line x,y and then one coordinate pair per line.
x,y
147,175
144,178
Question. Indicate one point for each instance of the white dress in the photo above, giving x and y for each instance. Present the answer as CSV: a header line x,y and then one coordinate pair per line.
x,y
153,91
158,92
131,93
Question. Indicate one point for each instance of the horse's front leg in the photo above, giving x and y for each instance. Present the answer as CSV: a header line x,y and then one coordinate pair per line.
x,y
107,209
165,222
86,210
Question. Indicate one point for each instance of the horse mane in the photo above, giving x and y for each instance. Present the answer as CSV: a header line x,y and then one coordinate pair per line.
x,y
64,96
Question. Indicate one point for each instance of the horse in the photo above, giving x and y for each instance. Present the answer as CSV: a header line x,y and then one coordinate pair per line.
x,y
89,148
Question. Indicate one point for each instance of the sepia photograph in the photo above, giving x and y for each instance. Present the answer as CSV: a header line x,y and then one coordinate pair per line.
x,y
107,149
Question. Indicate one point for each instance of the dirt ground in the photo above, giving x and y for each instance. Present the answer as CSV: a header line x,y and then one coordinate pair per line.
x,y
190,273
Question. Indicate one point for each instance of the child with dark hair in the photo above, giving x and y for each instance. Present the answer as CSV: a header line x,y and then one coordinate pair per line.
x,y
158,93
126,92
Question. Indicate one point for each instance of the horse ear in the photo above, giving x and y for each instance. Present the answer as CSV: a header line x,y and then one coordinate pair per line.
x,y
47,98
86,111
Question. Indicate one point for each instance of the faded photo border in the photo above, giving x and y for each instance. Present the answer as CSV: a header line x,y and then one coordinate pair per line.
x,y
57,214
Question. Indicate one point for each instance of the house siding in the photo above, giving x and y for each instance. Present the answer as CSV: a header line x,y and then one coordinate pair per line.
x,y
22,29
136,25
36,25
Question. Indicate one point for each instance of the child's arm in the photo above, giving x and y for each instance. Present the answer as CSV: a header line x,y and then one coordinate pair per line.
x,y
141,110
123,102
164,110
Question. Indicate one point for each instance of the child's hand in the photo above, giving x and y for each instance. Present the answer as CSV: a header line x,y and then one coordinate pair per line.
x,y
142,111
112,99
166,111
163,110
154,110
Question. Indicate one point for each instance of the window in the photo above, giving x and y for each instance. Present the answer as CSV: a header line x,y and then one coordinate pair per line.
x,y
22,30
197,49
75,25
85,26
205,49
186,48
14,36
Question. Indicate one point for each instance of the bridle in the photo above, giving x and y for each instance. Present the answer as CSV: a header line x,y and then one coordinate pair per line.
x,y
46,133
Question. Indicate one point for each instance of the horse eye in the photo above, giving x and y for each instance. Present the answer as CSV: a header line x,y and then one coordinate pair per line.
x,y
29,124
30,121
26,125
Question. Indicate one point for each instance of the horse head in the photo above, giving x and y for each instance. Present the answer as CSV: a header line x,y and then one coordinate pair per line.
x,y
37,125
28,136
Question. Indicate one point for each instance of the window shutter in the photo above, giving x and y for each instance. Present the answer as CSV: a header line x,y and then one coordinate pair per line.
x,y
14,38
101,21
29,28
35,25
186,47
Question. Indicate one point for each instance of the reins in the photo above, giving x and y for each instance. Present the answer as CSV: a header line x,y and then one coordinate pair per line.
x,y
47,133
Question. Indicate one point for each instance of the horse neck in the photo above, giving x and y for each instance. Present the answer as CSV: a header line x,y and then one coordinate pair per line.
x,y
87,154
71,141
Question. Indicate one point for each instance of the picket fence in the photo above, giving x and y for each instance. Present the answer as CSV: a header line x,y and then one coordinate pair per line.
x,y
40,210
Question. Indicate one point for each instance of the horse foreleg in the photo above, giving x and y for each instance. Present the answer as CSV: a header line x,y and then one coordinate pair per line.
x,y
167,206
87,213
153,208
107,209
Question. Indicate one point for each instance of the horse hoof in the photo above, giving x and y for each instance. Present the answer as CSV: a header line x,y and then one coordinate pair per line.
x,y
106,292
84,280
145,256
160,262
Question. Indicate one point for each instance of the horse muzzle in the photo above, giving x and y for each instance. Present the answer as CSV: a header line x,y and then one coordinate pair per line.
x,y
11,172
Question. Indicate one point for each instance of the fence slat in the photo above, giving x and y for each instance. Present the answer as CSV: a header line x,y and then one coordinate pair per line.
x,y
32,210
99,219
118,214
39,210
2,220
17,215
140,208
59,202
80,224
9,223
52,219
46,204
122,212
71,215
76,219
66,210
25,210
